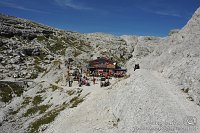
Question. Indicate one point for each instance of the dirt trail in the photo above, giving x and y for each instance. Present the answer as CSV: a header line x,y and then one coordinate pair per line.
x,y
143,103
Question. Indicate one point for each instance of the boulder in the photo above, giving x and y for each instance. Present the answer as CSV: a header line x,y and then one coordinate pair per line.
x,y
31,51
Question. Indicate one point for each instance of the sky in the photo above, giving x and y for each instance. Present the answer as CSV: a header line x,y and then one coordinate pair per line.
x,y
118,17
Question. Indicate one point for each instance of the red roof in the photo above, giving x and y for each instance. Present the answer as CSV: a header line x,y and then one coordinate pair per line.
x,y
102,63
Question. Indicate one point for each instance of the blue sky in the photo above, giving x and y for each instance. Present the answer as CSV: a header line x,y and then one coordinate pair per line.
x,y
119,17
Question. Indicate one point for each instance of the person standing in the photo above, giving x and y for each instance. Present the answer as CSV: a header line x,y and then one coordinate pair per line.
x,y
94,79
70,81
80,80
106,75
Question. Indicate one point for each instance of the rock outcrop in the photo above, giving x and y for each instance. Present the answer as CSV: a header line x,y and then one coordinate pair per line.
x,y
176,56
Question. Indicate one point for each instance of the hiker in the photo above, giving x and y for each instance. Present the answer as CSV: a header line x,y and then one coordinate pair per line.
x,y
93,73
94,79
107,82
106,75
80,82
70,81
87,83
137,66
101,84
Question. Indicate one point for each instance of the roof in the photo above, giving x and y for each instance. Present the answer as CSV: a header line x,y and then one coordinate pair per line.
x,y
101,60
102,63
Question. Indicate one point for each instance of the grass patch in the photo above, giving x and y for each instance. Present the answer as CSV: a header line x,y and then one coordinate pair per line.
x,y
54,87
41,109
79,91
7,90
34,76
31,111
75,101
41,91
37,100
26,101
39,58
57,81
46,119
14,112
62,52
41,38
39,69
70,92
42,56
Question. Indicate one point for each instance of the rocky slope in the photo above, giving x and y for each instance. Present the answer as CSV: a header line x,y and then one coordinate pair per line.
x,y
32,58
177,57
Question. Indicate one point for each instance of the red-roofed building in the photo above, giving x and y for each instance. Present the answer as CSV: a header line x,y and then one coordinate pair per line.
x,y
101,65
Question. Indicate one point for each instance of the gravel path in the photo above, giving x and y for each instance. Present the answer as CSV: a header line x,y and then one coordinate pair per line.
x,y
143,103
